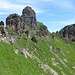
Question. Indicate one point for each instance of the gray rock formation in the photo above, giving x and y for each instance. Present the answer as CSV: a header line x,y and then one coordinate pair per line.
x,y
68,32
2,23
15,23
29,17
26,22
2,29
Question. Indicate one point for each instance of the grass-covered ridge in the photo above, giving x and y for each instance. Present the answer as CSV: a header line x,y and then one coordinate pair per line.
x,y
48,57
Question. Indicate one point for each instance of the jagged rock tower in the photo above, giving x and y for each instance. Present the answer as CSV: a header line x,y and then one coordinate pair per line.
x,y
29,17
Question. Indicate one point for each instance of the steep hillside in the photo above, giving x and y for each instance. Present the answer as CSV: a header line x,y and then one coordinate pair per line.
x,y
16,64
48,57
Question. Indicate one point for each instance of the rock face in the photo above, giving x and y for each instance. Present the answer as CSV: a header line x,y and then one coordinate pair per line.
x,y
27,21
68,32
2,23
15,23
29,17
2,31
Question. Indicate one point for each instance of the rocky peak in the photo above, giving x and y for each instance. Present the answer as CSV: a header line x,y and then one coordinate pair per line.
x,y
29,17
28,11
15,23
68,32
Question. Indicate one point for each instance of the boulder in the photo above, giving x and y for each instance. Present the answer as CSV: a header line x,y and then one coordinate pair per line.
x,y
15,23
68,32
29,17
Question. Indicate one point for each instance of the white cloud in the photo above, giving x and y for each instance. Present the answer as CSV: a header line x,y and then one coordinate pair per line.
x,y
17,7
26,1
66,4
9,7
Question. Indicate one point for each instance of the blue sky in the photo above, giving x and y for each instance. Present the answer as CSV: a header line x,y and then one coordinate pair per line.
x,y
55,14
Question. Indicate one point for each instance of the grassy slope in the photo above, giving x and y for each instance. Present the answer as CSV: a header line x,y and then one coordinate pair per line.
x,y
13,64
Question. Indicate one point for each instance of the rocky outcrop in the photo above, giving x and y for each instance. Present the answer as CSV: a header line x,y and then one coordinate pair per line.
x,y
19,23
26,23
15,23
42,29
68,32
2,29
29,17
1,23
